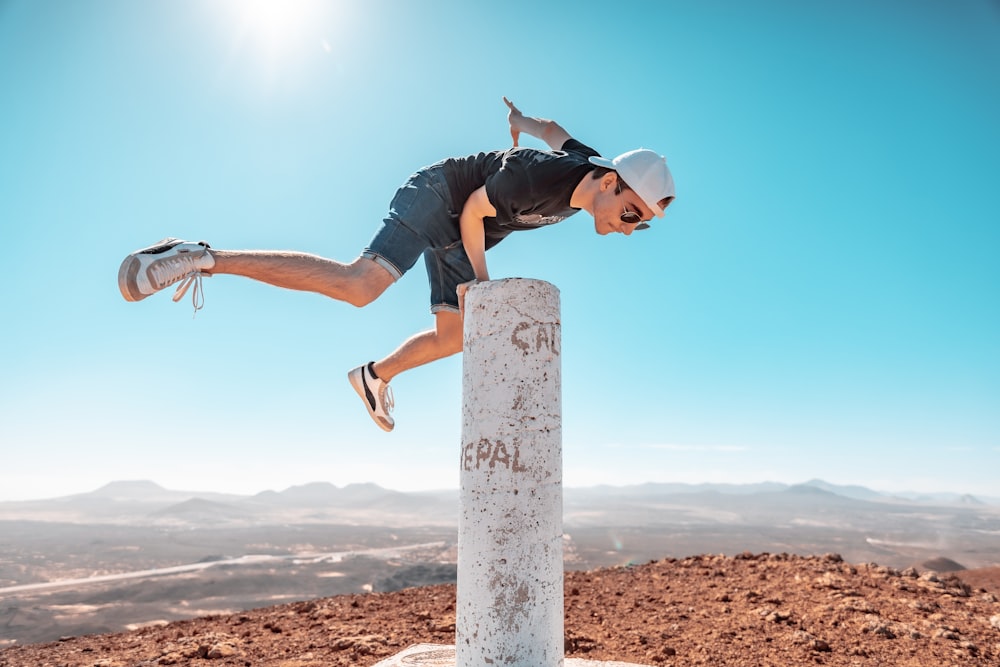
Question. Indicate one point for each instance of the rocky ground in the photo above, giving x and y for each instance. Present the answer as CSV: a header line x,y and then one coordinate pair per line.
x,y
747,610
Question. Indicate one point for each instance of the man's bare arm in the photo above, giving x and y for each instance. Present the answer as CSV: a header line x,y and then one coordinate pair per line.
x,y
548,131
477,207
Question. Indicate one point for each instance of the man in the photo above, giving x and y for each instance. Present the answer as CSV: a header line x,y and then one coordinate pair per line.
x,y
451,212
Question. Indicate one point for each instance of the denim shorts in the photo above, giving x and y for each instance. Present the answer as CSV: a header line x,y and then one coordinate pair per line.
x,y
422,221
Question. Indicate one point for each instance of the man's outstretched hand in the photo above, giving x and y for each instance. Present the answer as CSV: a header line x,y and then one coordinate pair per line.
x,y
548,131
516,120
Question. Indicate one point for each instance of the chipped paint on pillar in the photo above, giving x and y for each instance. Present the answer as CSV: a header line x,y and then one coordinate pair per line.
x,y
510,566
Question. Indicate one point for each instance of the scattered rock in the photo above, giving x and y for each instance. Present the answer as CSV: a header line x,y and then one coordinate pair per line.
x,y
820,646
880,628
221,650
764,609
829,580
941,564
858,605
360,645
777,616
947,633
970,647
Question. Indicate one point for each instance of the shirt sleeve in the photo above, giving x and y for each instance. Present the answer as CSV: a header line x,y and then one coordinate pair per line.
x,y
573,146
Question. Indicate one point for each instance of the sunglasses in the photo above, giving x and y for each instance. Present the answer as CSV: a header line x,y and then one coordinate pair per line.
x,y
631,217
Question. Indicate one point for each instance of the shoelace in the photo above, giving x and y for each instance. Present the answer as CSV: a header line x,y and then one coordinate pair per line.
x,y
197,296
183,268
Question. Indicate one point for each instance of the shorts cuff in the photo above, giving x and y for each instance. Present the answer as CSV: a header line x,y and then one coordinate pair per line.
x,y
444,308
384,263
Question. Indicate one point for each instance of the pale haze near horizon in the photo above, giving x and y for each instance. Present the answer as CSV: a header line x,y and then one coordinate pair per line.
x,y
820,302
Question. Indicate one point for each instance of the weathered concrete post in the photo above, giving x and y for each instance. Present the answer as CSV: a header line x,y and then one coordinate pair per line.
x,y
510,564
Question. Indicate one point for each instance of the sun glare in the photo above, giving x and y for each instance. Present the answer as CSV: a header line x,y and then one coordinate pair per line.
x,y
277,30
276,21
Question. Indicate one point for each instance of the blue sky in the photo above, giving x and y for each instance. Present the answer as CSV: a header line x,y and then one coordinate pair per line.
x,y
820,301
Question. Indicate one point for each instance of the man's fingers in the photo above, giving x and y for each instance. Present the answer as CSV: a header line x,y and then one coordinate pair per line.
x,y
462,289
511,118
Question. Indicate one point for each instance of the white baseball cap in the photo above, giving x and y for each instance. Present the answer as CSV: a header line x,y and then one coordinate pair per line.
x,y
646,173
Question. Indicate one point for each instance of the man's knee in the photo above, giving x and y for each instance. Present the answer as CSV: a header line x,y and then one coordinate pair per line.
x,y
368,281
364,294
453,345
449,332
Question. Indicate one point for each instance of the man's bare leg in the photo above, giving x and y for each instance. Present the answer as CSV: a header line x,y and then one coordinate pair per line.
x,y
445,339
370,381
358,283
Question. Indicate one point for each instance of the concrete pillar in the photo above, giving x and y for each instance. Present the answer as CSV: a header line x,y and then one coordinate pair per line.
x,y
510,565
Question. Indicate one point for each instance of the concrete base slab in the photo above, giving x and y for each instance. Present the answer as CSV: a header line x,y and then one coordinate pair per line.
x,y
441,655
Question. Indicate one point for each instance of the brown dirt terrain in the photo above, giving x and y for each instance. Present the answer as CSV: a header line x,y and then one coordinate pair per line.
x,y
747,610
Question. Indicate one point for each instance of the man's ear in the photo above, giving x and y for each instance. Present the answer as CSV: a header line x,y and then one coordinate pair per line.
x,y
609,180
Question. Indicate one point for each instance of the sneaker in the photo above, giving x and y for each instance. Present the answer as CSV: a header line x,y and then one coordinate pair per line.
x,y
162,264
375,393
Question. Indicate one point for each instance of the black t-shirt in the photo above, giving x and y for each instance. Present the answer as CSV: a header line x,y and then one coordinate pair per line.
x,y
529,188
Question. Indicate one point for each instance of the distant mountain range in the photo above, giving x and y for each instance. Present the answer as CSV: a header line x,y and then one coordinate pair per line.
x,y
132,502
145,502
603,524
145,491
324,492
847,491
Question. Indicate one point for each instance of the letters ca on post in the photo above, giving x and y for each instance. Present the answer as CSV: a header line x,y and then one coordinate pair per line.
x,y
535,337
